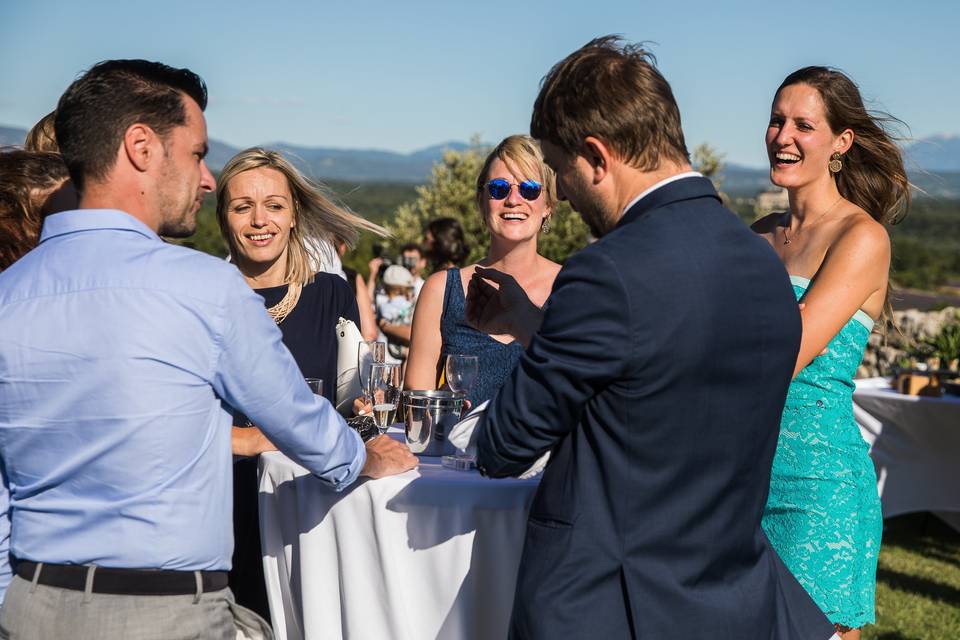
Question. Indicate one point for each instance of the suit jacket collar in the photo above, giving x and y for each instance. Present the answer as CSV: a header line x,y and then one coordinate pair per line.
x,y
677,191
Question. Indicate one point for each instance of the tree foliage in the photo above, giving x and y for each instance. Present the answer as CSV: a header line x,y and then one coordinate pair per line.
x,y
710,163
451,193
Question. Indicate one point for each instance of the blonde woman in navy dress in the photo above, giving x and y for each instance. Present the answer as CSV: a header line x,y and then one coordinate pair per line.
x,y
516,193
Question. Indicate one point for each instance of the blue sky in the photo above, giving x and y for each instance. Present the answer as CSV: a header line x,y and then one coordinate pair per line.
x,y
403,75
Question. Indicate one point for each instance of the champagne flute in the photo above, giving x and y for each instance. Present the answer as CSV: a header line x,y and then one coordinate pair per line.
x,y
368,353
461,372
384,392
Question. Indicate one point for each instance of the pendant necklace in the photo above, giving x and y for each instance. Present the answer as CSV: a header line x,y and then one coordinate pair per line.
x,y
786,238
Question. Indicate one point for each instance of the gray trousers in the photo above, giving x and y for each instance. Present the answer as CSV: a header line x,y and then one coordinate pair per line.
x,y
38,612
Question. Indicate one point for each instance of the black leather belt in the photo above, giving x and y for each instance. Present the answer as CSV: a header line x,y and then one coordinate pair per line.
x,y
129,582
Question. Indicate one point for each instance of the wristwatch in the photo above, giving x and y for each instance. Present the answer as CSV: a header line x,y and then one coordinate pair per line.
x,y
365,426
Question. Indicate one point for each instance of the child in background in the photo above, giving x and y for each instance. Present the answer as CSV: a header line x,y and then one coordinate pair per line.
x,y
396,305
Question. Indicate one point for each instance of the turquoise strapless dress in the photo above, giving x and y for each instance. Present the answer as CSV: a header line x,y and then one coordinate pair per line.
x,y
823,513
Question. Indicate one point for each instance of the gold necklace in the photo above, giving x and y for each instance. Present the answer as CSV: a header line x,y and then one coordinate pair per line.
x,y
786,239
283,308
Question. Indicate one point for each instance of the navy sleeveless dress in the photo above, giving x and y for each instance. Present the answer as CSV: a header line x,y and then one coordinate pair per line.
x,y
495,359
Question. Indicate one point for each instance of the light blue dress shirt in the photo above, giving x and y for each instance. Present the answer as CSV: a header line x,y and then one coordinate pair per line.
x,y
120,358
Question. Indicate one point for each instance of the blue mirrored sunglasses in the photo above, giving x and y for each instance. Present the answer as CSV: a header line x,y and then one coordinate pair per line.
x,y
498,189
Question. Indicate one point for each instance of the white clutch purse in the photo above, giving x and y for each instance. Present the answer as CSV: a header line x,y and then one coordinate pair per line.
x,y
348,382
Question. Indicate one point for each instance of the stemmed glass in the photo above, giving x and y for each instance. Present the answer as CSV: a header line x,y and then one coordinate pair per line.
x,y
369,352
460,372
384,391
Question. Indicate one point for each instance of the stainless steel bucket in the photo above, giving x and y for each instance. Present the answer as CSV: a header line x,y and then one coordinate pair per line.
x,y
428,417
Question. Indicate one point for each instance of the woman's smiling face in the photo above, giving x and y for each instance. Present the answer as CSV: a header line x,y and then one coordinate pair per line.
x,y
799,139
260,215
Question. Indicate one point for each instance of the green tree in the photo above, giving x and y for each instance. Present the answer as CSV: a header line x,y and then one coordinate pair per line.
x,y
451,192
710,163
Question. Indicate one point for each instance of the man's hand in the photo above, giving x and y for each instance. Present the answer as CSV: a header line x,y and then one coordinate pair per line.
x,y
501,309
374,265
387,457
249,441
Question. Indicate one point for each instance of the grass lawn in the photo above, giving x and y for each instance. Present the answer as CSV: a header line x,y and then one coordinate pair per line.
x,y
918,581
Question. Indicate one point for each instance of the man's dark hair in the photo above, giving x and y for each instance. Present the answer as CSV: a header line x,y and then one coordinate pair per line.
x,y
97,109
411,246
612,91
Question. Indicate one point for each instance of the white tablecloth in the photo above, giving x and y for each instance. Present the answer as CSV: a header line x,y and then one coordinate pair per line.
x,y
429,554
915,446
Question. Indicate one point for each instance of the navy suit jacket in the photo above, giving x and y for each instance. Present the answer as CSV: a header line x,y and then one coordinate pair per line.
x,y
657,380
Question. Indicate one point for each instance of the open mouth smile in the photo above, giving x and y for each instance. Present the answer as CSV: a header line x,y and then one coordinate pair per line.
x,y
260,239
785,159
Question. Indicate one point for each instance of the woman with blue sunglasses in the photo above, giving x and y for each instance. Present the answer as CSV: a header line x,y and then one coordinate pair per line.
x,y
516,193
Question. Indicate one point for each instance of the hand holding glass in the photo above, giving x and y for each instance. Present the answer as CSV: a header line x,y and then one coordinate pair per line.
x,y
384,393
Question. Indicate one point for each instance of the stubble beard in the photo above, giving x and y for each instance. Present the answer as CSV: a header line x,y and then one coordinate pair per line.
x,y
592,211
183,226
178,218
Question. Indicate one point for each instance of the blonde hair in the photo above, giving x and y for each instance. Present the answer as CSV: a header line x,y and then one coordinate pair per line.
x,y
42,136
315,214
521,154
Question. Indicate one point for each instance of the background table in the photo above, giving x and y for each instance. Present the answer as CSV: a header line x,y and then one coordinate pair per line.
x,y
429,554
915,446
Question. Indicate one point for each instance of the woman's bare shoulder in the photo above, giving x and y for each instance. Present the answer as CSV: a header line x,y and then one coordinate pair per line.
x,y
858,228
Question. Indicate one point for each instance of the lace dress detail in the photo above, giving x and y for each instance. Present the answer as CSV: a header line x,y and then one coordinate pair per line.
x,y
823,512
495,359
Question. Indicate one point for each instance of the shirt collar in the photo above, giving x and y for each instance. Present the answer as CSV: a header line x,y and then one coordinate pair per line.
x,y
76,220
662,183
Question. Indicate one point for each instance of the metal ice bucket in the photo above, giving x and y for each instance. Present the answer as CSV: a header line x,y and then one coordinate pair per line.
x,y
428,417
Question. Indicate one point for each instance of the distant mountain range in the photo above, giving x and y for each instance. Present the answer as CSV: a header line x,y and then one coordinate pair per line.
x,y
933,163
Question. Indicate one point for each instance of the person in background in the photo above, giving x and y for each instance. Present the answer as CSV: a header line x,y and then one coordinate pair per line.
x,y
33,185
515,196
42,136
368,319
444,244
411,258
120,355
395,309
266,210
845,179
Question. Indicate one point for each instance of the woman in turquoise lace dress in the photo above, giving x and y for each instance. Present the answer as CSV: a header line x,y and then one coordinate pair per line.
x,y
515,194
845,180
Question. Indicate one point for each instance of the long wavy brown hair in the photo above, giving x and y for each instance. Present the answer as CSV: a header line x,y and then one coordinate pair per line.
x,y
27,178
873,176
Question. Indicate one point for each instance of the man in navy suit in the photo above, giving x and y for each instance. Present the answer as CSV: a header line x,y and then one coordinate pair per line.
x,y
656,377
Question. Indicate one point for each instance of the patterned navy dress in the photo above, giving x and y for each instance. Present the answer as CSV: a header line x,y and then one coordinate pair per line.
x,y
495,359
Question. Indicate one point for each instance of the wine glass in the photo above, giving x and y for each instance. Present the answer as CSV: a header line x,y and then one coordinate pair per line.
x,y
368,353
316,385
460,372
384,392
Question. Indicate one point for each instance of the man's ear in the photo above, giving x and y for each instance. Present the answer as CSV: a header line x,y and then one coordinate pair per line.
x,y
142,146
598,155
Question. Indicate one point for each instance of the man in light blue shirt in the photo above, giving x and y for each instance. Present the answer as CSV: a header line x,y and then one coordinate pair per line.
x,y
120,359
